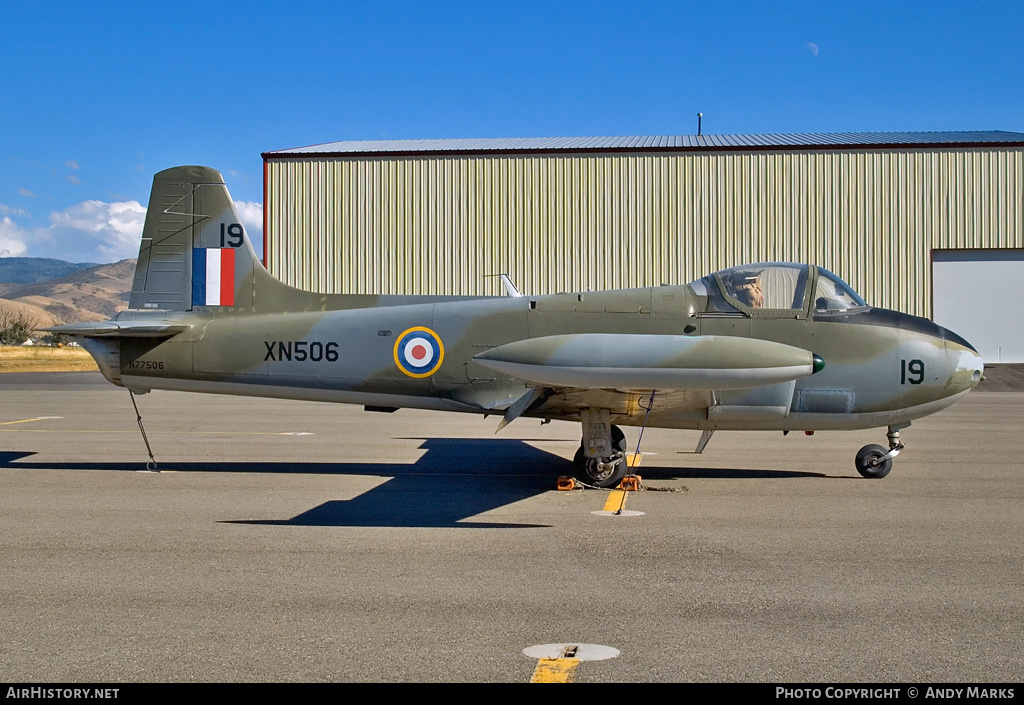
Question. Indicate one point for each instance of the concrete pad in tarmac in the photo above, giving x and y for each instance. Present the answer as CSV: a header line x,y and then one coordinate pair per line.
x,y
311,542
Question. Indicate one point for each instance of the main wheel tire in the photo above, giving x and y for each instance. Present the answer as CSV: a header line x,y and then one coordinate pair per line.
x,y
588,470
868,465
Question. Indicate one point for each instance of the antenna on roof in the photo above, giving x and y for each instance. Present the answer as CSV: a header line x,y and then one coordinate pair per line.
x,y
699,116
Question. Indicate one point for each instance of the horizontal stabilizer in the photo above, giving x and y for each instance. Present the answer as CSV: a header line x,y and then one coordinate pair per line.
x,y
120,329
612,361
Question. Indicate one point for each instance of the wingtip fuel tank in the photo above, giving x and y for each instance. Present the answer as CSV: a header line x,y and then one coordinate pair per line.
x,y
637,361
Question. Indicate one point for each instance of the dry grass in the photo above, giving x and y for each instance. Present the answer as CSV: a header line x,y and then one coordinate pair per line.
x,y
15,358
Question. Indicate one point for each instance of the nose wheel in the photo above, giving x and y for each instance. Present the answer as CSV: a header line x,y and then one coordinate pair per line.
x,y
873,461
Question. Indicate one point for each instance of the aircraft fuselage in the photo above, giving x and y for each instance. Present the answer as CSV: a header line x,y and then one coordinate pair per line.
x,y
881,367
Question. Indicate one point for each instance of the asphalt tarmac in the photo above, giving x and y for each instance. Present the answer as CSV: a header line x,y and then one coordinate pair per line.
x,y
291,541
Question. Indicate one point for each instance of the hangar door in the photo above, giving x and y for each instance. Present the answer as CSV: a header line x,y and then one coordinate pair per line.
x,y
979,294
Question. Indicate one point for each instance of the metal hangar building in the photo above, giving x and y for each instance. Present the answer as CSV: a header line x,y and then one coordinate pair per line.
x,y
930,223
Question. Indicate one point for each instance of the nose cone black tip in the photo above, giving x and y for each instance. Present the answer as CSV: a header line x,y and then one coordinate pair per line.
x,y
952,337
819,363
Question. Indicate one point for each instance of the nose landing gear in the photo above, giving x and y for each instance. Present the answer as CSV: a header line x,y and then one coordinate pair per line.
x,y
873,461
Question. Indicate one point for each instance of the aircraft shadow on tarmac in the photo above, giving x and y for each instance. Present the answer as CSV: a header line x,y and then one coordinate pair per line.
x,y
649,471
456,478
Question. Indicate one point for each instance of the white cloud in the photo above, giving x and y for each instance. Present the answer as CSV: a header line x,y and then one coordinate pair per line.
x,y
19,212
12,238
251,215
72,164
74,179
26,192
94,229
97,231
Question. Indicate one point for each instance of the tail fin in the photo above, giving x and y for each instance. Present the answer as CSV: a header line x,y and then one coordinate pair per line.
x,y
195,255
194,250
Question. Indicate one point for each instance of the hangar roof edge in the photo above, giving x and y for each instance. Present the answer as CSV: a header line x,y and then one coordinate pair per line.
x,y
847,140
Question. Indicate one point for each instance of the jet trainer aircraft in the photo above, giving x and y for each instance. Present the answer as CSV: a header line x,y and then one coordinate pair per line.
x,y
771,346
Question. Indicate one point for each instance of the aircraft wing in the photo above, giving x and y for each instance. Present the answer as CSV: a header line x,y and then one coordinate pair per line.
x,y
635,361
121,329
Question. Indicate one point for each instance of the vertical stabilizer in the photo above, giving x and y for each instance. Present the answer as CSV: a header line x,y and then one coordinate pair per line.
x,y
194,251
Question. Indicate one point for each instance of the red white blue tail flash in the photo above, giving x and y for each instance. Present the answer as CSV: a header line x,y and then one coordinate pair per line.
x,y
213,277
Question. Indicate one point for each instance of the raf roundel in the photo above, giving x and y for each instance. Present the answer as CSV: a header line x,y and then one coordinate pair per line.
x,y
419,352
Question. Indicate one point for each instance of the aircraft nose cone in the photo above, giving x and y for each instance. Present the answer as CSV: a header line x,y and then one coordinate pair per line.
x,y
966,364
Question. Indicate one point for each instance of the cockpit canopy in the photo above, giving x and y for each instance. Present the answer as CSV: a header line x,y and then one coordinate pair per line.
x,y
777,286
833,294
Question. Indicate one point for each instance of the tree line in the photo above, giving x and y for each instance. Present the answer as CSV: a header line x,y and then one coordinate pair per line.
x,y
16,327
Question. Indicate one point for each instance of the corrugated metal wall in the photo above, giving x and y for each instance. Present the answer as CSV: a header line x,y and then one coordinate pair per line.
x,y
568,222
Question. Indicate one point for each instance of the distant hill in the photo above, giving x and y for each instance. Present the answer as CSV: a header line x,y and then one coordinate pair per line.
x,y
31,270
33,315
92,294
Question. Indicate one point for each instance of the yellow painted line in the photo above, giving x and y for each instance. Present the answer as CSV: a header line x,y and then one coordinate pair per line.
x,y
616,501
554,670
38,418
633,460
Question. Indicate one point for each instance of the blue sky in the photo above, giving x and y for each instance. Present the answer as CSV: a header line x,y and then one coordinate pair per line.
x,y
100,96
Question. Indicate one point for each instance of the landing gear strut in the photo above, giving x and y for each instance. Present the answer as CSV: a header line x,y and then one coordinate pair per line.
x,y
873,461
601,458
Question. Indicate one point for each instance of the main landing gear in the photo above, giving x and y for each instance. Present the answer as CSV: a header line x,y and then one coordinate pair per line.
x,y
873,461
601,458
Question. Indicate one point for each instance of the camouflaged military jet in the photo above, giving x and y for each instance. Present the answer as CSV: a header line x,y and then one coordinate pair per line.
x,y
771,346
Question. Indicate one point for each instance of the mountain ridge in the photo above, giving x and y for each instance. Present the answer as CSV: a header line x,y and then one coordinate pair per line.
x,y
93,293
33,270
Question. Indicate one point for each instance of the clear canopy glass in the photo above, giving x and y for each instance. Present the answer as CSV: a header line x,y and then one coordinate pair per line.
x,y
833,294
776,286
